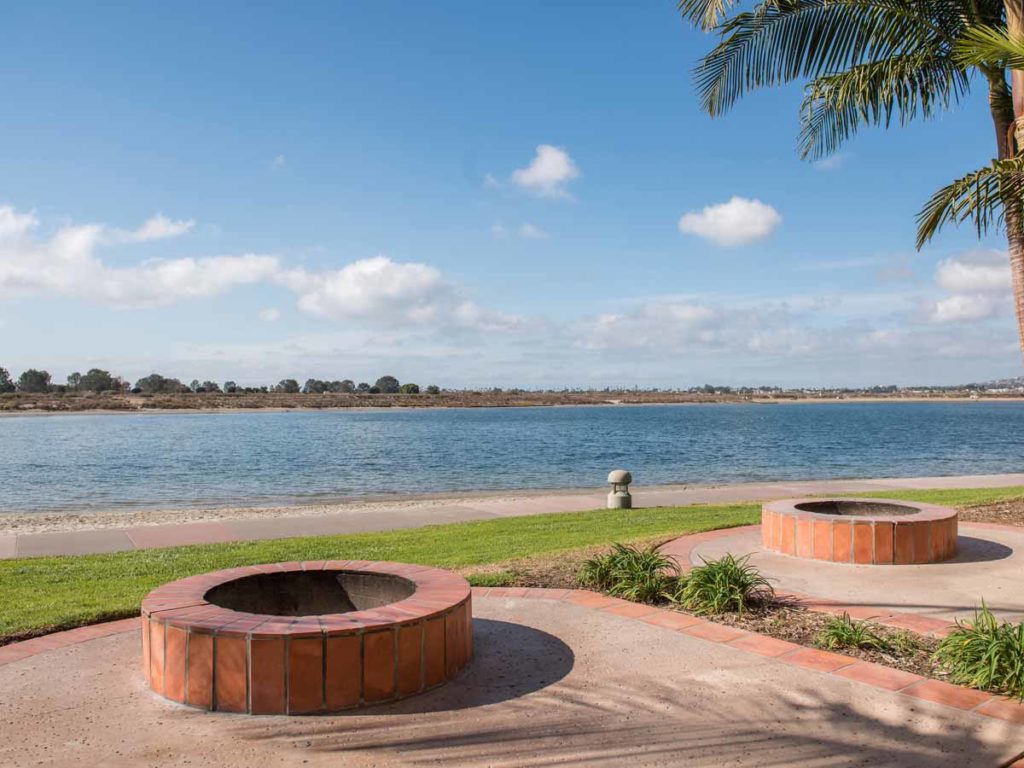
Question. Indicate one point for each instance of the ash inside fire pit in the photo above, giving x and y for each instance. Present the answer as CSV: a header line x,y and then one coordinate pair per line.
x,y
850,508
310,593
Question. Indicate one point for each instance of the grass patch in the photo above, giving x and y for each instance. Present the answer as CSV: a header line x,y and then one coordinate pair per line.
x,y
985,653
728,584
641,574
844,632
951,497
49,593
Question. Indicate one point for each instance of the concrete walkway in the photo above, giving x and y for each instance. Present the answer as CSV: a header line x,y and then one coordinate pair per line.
x,y
458,509
552,683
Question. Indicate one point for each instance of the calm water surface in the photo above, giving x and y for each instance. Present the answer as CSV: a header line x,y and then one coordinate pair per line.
x,y
81,462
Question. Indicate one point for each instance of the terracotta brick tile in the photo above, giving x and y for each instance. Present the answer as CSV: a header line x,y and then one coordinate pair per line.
x,y
922,536
950,695
481,591
630,610
842,542
671,619
379,665
804,538
590,599
903,544
766,528
305,674
145,652
863,544
344,672
230,674
410,659
516,592
433,656
174,666
156,656
822,549
15,652
1010,710
883,543
199,692
878,676
788,543
763,645
454,640
267,676
718,633
822,661
920,624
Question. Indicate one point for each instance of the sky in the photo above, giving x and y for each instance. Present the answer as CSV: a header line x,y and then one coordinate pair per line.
x,y
464,194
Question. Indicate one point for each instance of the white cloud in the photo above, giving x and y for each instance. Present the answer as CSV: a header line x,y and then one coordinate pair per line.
x,y
964,308
66,264
980,284
158,227
737,222
14,225
278,162
975,272
548,173
831,163
532,232
388,293
270,314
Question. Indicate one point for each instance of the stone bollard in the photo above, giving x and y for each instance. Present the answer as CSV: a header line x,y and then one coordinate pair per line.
x,y
619,497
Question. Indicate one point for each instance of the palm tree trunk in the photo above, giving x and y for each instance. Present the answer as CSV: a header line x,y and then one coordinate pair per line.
x,y
1014,214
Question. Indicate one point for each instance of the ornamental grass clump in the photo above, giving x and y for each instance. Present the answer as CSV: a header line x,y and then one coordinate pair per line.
x,y
985,654
642,575
844,632
728,584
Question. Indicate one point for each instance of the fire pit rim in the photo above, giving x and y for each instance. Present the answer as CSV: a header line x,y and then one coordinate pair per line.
x,y
924,511
183,603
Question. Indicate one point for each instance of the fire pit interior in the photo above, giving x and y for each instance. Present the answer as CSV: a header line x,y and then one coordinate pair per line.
x,y
305,638
860,531
309,593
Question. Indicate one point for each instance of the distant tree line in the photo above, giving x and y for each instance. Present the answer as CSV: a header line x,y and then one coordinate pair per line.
x,y
97,380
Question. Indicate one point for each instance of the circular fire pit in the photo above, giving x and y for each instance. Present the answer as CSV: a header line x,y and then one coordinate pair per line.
x,y
861,531
300,638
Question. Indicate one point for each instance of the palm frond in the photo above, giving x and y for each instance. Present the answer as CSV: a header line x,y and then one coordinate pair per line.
x,y
981,45
784,40
980,197
705,14
903,87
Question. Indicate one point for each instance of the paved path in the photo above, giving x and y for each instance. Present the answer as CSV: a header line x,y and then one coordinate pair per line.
x,y
570,682
459,509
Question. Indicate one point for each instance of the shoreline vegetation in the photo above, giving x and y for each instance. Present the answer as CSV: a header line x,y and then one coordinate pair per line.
x,y
28,403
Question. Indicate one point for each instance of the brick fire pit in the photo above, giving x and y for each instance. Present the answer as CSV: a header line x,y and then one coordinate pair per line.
x,y
301,638
860,531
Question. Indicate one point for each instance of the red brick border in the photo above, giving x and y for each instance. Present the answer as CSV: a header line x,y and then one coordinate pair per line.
x,y
927,535
214,658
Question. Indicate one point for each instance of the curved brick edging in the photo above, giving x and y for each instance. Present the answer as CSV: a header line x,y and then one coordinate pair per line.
x,y
214,658
926,535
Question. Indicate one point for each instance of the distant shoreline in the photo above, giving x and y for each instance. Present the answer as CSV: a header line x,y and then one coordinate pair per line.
x,y
110,405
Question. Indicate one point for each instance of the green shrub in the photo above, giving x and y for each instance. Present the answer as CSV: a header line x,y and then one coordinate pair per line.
x,y
844,632
986,654
642,575
723,585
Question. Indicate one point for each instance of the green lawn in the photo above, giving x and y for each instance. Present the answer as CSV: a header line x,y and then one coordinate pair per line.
x,y
45,593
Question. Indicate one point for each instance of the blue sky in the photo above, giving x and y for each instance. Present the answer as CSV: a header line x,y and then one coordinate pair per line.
x,y
217,190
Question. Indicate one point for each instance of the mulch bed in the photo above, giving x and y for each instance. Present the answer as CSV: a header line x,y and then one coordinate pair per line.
x,y
1009,512
801,626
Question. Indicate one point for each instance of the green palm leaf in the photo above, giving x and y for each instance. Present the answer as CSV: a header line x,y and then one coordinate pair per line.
x,y
902,87
979,197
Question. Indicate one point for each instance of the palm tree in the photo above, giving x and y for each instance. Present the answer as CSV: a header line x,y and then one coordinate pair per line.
x,y
880,62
